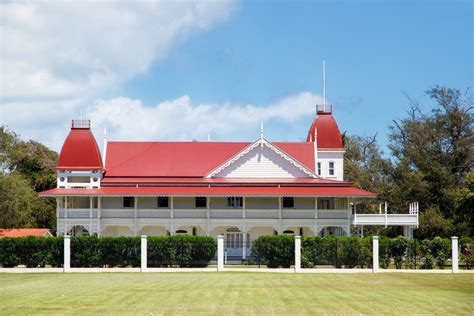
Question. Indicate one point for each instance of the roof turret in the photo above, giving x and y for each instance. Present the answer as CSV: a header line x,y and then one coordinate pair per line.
x,y
80,150
328,135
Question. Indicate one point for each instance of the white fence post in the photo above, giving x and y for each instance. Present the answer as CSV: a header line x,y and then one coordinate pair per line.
x,y
375,254
143,253
220,253
67,253
455,254
297,253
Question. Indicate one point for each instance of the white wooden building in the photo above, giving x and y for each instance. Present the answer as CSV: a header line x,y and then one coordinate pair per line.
x,y
239,189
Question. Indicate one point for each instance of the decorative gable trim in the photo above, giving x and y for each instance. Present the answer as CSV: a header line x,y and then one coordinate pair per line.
x,y
262,142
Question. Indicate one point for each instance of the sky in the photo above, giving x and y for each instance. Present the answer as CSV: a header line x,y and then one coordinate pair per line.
x,y
191,70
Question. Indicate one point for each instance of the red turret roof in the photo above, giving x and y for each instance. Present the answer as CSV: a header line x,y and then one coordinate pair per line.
x,y
80,151
329,136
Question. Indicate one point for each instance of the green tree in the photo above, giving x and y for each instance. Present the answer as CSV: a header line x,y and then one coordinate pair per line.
x,y
20,205
433,155
26,168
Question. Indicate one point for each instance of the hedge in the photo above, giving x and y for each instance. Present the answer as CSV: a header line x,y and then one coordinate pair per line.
x,y
277,251
91,251
350,252
31,251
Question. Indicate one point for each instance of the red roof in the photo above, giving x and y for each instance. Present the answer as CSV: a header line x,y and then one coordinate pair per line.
x,y
23,232
184,159
329,136
336,191
80,151
110,181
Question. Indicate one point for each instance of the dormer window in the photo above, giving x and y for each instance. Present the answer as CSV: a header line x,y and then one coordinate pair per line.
x,y
331,168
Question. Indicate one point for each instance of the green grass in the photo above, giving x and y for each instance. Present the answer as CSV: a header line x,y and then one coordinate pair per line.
x,y
236,293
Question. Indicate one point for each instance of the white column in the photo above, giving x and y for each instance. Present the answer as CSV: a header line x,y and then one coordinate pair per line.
x,y
280,231
91,204
208,216
99,205
455,254
135,207
297,253
172,216
316,216
375,254
67,253
65,215
220,253
143,253
244,244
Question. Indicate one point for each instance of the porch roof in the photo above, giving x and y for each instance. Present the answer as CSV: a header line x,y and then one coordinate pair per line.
x,y
268,191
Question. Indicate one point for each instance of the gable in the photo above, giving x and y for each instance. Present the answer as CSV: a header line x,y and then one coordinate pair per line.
x,y
262,160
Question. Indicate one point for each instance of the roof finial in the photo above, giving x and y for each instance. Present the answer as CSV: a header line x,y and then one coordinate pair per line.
x,y
209,137
104,151
324,85
261,129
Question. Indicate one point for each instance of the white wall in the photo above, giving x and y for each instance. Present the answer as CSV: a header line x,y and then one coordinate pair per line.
x,y
261,162
324,157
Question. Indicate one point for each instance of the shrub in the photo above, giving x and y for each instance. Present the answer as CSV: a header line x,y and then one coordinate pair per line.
x,y
275,250
427,262
317,250
31,251
398,247
384,252
349,251
180,251
466,252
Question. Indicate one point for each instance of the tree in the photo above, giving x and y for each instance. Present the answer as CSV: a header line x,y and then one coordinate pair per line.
x,y
31,159
20,205
27,168
433,155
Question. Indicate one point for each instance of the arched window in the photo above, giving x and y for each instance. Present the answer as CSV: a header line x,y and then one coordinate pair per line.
x,y
194,231
288,232
181,231
331,168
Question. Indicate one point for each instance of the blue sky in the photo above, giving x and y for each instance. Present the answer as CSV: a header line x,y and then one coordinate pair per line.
x,y
222,65
375,52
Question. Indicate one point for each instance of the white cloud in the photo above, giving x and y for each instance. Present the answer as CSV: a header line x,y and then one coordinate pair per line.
x,y
178,119
66,49
58,56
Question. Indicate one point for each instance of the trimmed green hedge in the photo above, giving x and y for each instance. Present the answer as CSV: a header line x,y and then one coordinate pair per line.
x,y
351,252
181,250
277,251
91,251
31,251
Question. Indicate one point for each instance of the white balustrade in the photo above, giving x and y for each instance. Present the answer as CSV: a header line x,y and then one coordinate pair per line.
x,y
226,213
332,214
297,214
261,214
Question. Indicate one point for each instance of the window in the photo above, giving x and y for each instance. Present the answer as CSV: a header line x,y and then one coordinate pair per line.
x,y
319,168
163,201
288,202
234,201
128,201
201,201
331,168
326,204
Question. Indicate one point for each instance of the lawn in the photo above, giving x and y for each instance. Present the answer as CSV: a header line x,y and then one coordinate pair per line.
x,y
236,293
